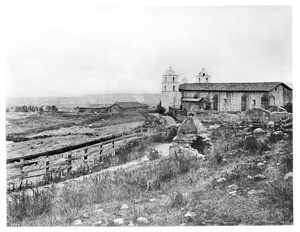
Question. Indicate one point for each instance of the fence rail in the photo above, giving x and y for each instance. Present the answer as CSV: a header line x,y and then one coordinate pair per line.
x,y
61,164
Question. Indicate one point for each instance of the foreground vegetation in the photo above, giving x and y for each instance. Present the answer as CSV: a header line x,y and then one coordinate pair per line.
x,y
244,181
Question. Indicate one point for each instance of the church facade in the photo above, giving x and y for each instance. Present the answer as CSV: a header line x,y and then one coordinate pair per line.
x,y
170,96
204,95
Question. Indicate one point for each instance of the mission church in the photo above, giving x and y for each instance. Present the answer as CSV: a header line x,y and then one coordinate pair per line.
x,y
205,95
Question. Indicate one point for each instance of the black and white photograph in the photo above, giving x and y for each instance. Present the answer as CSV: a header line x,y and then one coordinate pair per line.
x,y
149,116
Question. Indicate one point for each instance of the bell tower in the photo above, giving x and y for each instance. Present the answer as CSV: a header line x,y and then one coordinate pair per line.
x,y
203,77
170,95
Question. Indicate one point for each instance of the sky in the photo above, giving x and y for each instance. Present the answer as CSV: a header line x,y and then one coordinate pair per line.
x,y
74,51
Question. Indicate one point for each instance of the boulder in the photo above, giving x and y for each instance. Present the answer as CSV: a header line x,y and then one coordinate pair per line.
x,y
124,207
190,216
232,187
288,176
259,131
143,220
221,180
251,192
85,215
77,222
260,164
119,221
99,223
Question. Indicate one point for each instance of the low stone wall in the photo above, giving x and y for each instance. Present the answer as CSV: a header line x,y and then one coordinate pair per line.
x,y
220,116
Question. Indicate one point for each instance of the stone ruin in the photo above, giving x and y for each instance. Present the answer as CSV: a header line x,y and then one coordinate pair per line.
x,y
191,139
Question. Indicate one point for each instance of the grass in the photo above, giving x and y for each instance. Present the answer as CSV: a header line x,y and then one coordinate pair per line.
x,y
178,185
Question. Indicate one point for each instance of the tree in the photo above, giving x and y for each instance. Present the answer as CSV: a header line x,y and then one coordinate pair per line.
x,y
289,107
160,109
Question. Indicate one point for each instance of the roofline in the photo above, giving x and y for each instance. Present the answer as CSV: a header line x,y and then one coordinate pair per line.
x,y
278,83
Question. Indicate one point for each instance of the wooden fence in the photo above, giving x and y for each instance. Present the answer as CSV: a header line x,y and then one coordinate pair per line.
x,y
57,167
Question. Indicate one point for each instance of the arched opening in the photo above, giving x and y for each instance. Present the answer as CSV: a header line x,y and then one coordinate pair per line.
x,y
200,144
165,88
206,79
173,79
272,100
165,79
203,74
244,102
173,88
196,96
265,101
216,102
199,80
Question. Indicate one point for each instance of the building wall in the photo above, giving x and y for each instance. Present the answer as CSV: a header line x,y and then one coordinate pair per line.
x,y
169,98
232,101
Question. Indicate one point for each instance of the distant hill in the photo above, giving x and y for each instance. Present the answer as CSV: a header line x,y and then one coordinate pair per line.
x,y
99,99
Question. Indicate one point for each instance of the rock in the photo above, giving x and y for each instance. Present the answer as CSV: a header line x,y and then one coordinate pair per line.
x,y
99,223
182,209
251,192
119,221
232,193
189,216
85,215
288,176
124,207
278,133
232,187
259,177
153,200
259,131
221,180
161,210
260,164
249,177
77,222
130,224
183,224
224,160
143,220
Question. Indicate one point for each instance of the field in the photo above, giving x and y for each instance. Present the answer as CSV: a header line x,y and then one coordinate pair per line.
x,y
47,131
244,180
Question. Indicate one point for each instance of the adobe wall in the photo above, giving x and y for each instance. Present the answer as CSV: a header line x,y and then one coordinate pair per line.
x,y
167,99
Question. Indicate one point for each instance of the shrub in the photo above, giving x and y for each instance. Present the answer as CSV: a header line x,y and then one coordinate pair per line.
x,y
22,205
154,154
280,193
160,109
289,107
177,200
249,143
167,170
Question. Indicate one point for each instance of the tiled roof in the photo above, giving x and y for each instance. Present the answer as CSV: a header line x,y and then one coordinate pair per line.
x,y
246,86
128,105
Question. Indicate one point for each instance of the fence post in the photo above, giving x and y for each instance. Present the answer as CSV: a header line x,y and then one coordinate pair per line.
x,y
22,171
85,159
69,163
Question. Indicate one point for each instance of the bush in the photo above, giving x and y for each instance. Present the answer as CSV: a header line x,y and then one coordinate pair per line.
x,y
177,200
289,107
249,143
280,194
154,154
160,109
22,205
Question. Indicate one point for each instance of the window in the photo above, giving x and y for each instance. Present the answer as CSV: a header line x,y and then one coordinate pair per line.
x,y
173,88
224,100
165,88
165,79
206,79
203,74
173,79
254,102
199,80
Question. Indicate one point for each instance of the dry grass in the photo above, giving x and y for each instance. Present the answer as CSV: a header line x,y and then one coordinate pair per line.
x,y
184,185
